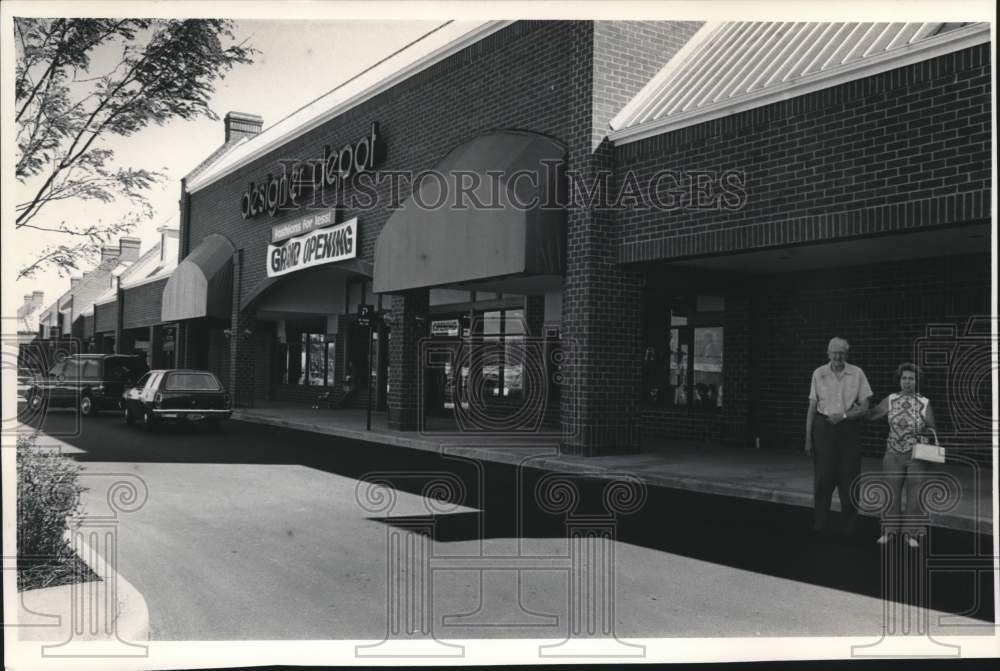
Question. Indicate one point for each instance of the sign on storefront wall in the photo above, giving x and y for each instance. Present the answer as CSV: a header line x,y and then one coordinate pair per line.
x,y
301,226
289,188
444,327
320,246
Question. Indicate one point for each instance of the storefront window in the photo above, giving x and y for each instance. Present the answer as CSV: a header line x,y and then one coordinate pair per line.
x,y
708,367
316,360
514,353
682,356
331,360
502,367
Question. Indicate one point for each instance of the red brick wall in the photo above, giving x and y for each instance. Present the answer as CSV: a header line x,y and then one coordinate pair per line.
x,y
601,301
627,54
733,424
883,310
523,77
899,150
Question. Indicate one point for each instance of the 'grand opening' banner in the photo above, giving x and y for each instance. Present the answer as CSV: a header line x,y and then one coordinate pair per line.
x,y
324,245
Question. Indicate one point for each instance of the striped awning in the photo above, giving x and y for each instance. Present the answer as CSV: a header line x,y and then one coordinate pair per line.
x,y
201,285
727,64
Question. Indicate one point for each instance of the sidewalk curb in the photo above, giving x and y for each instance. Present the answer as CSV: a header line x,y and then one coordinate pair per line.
x,y
36,608
545,459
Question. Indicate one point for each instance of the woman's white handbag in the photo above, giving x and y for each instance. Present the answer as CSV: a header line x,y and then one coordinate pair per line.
x,y
929,452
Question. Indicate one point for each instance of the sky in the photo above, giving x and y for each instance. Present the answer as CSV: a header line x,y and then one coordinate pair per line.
x,y
297,62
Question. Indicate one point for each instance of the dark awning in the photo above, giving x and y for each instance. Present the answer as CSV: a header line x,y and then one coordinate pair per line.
x,y
201,286
521,176
325,273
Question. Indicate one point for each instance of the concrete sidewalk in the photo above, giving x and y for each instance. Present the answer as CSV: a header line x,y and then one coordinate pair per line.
x,y
764,475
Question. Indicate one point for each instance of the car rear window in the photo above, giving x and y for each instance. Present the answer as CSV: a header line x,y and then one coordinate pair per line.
x,y
191,382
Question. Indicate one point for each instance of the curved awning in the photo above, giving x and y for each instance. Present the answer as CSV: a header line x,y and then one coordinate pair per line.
x,y
350,267
519,232
201,285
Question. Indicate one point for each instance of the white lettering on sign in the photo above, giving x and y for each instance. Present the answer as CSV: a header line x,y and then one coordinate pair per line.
x,y
301,225
324,245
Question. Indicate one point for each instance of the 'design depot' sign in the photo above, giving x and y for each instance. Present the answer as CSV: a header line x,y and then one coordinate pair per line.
x,y
324,245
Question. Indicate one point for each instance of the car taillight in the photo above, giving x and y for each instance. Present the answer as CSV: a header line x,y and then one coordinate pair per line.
x,y
158,399
99,389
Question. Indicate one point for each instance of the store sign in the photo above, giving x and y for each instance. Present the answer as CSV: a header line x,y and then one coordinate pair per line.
x,y
444,327
298,178
318,247
366,314
300,226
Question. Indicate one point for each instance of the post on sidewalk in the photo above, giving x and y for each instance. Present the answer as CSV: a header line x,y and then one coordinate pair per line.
x,y
366,319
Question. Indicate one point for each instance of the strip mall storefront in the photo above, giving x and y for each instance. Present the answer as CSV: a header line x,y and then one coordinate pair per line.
x,y
535,312
283,246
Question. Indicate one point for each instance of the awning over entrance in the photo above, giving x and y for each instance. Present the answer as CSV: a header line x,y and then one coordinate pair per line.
x,y
508,224
201,286
317,276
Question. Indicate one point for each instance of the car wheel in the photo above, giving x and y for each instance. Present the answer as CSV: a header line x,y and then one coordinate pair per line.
x,y
87,408
148,421
129,418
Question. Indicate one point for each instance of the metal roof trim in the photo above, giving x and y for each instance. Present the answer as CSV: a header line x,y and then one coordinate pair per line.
x,y
276,136
913,52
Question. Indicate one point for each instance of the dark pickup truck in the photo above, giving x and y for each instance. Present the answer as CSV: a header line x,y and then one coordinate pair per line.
x,y
90,382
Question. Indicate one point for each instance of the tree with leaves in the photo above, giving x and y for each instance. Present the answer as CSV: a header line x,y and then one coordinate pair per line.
x,y
81,82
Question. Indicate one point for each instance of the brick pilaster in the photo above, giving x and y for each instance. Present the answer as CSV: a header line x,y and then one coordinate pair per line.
x,y
155,347
409,325
181,345
120,321
534,315
241,349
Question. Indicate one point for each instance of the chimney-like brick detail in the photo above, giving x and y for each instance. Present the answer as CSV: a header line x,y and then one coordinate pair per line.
x,y
74,282
108,252
241,124
129,249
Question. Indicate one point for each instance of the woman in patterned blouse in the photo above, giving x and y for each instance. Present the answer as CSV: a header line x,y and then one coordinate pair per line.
x,y
910,416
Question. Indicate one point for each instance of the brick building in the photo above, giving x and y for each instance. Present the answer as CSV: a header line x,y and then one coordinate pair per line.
x,y
64,318
125,317
809,180
846,191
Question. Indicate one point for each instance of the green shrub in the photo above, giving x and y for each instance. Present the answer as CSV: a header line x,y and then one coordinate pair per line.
x,y
48,495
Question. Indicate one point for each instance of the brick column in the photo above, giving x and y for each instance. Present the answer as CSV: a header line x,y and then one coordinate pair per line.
x,y
180,345
119,321
602,330
155,345
241,343
534,315
409,325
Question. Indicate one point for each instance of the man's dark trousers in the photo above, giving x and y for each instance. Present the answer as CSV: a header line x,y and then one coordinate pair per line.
x,y
837,462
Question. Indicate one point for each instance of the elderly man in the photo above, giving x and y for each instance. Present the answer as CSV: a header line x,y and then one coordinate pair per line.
x,y
838,399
